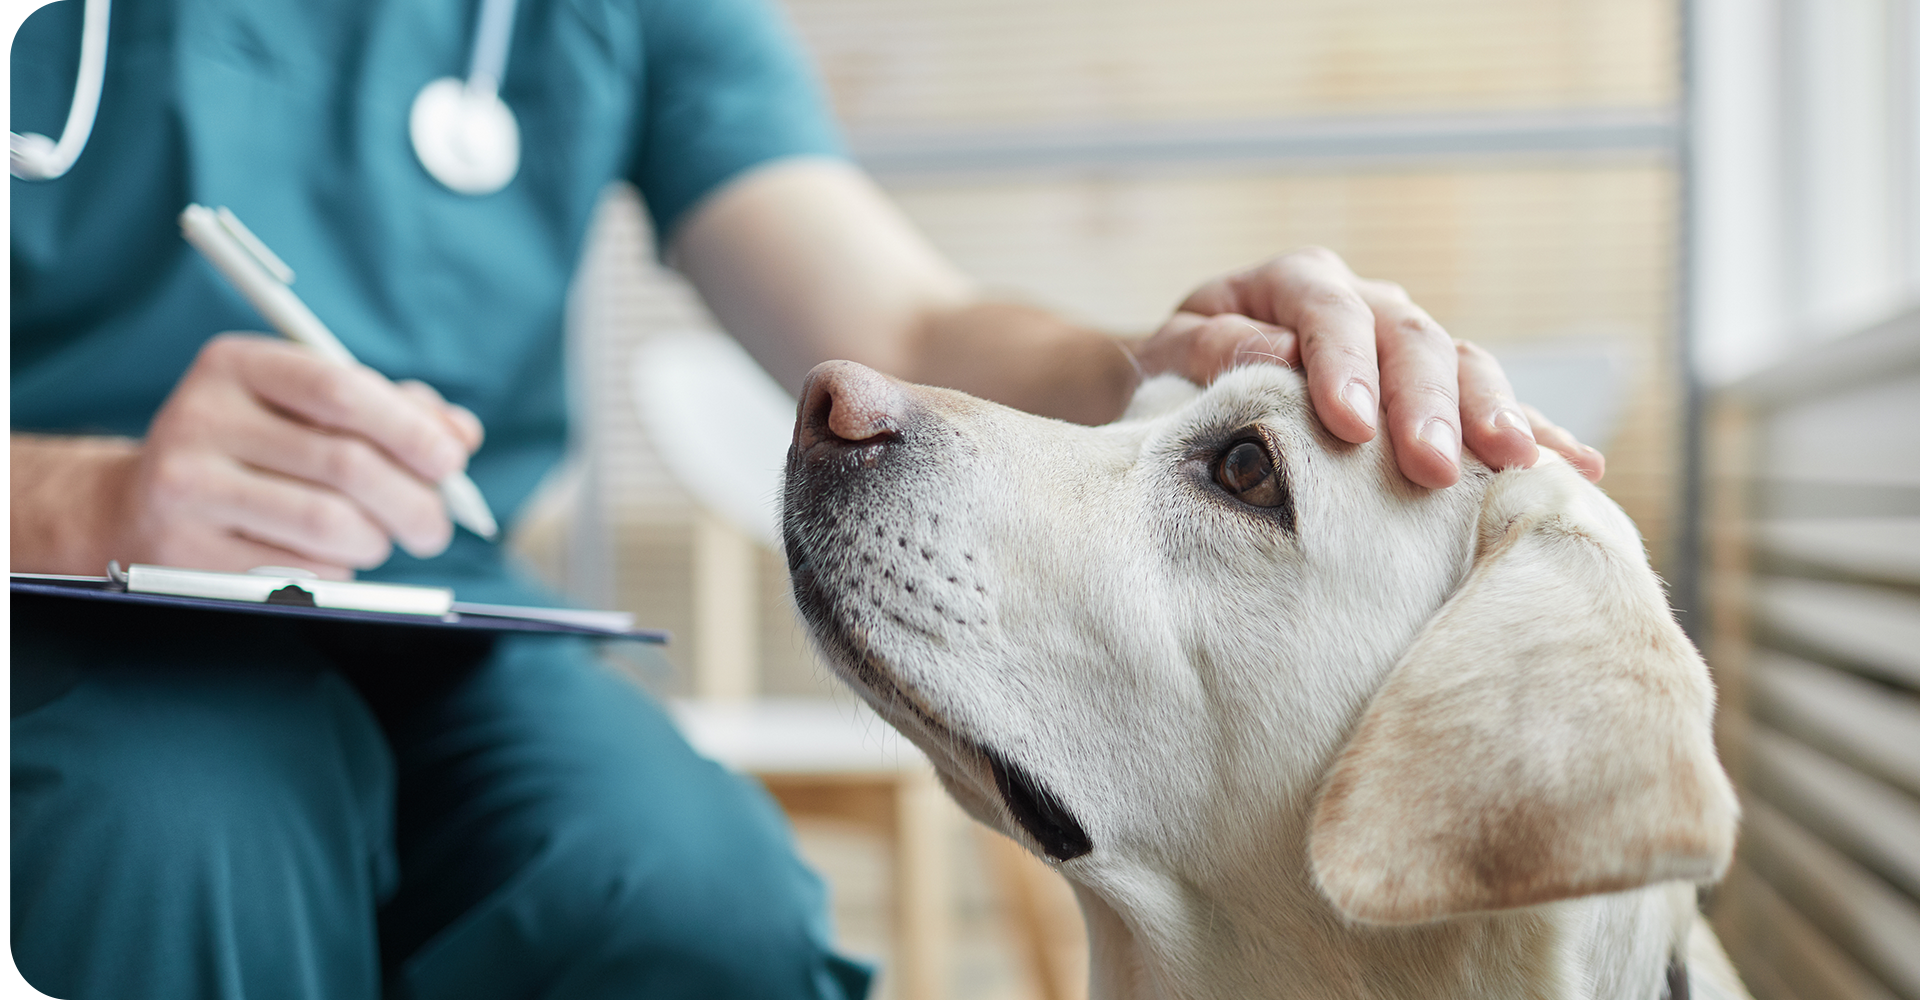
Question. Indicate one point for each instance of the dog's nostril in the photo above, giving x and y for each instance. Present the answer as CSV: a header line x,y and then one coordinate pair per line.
x,y
846,403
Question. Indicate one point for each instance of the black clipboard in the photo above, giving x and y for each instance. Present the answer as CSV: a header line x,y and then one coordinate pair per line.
x,y
461,618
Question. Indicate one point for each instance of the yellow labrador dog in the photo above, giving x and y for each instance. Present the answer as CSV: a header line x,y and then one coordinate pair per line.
x,y
1292,726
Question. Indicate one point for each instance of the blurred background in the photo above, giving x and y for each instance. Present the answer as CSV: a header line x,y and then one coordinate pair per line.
x,y
1689,228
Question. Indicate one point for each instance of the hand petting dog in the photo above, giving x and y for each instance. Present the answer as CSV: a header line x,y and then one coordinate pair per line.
x,y
1362,343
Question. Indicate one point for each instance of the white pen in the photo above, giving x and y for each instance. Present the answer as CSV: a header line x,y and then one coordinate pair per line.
x,y
263,279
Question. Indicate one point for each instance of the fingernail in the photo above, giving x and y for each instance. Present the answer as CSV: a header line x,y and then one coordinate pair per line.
x,y
1510,419
425,551
428,544
1359,398
1439,435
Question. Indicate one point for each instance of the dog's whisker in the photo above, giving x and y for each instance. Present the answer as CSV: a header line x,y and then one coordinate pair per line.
x,y
1139,370
1275,358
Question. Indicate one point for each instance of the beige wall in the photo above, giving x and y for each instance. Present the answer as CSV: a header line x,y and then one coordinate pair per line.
x,y
933,63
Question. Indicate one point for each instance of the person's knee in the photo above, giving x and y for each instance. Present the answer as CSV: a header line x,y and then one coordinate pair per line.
x,y
730,911
162,766
237,816
699,896
617,861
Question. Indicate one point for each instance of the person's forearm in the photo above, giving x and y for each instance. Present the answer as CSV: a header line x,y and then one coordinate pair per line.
x,y
63,491
807,261
1024,357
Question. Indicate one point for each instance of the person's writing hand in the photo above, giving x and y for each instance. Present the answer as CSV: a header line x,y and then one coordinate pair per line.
x,y
1362,343
267,454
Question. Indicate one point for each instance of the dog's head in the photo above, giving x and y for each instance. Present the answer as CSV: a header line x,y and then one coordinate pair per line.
x,y
1211,640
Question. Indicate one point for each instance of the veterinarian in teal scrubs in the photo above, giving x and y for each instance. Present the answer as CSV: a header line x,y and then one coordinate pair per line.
x,y
204,810
211,809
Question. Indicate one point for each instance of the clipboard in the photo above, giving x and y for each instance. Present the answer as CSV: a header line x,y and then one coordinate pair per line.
x,y
277,592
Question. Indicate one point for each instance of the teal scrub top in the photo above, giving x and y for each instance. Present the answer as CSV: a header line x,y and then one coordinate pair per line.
x,y
294,114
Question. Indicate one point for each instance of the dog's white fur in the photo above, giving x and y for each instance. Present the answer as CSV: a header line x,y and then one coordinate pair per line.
x,y
1426,743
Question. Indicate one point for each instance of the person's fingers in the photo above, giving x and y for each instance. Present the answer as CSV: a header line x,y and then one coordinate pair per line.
x,y
207,489
1589,461
1492,422
459,419
318,524
1366,347
352,399
1170,349
406,507
1217,296
1263,343
1202,348
1312,292
1419,380
225,551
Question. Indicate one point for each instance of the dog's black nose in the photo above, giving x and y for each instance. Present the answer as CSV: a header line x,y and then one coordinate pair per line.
x,y
845,404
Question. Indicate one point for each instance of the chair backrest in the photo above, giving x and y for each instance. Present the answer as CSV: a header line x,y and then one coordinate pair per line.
x,y
721,425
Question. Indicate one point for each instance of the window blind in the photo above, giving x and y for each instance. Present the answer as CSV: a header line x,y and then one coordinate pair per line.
x,y
1816,647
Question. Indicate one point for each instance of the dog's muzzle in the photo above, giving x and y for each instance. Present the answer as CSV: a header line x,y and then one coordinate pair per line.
x,y
859,445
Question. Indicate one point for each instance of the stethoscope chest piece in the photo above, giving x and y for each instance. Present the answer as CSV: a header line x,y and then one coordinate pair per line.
x,y
465,136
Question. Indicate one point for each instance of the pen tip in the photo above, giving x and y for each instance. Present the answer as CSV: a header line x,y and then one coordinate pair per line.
x,y
482,525
467,507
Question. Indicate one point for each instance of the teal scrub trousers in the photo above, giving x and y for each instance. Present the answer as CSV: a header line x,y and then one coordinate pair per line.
x,y
217,806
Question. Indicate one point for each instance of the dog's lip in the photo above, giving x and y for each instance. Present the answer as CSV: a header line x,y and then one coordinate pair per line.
x,y
881,688
1031,804
1038,811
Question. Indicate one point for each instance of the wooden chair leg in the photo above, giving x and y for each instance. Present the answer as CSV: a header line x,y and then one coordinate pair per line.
x,y
1045,920
922,900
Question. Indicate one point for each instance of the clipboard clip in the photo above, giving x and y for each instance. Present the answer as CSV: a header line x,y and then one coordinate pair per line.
x,y
292,593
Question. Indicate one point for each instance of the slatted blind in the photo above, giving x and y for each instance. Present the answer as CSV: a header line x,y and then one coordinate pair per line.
x,y
1816,596
935,64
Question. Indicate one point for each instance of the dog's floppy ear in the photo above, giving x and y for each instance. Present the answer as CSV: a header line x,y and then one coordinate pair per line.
x,y
1548,734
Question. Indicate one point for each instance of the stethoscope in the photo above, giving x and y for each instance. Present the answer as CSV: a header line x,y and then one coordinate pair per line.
x,y
463,133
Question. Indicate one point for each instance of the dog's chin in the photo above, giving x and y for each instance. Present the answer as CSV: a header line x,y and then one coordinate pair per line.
x,y
1031,804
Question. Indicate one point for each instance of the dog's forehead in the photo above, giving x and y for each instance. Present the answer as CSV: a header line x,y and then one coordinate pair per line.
x,y
1171,408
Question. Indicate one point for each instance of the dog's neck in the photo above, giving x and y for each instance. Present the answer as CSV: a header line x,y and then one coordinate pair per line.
x,y
1174,938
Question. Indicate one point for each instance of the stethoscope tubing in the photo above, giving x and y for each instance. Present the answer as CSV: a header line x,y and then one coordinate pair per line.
x,y
488,65
35,157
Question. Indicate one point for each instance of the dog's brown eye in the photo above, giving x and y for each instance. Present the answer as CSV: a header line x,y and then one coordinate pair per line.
x,y
1246,471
